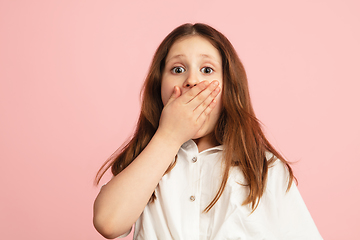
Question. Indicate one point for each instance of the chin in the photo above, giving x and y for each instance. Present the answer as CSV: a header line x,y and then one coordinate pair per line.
x,y
200,134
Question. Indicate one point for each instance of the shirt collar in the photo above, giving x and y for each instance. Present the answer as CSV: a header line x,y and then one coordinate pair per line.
x,y
191,144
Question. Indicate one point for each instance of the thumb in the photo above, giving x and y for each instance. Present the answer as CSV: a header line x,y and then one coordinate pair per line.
x,y
175,94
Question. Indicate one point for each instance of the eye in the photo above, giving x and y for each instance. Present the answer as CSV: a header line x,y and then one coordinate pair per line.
x,y
178,70
207,70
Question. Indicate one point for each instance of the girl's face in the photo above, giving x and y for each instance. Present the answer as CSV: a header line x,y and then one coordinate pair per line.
x,y
193,59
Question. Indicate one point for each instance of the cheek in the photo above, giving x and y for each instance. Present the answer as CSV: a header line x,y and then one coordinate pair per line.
x,y
215,113
166,91
218,107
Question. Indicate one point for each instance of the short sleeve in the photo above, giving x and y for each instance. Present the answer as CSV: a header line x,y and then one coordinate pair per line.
x,y
125,234
293,218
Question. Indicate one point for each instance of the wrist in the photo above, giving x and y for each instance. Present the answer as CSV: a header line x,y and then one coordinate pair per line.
x,y
168,139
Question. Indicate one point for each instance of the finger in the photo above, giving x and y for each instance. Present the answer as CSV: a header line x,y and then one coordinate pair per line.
x,y
175,94
210,107
206,114
208,104
202,96
194,91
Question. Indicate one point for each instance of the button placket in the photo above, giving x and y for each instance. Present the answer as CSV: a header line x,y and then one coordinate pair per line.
x,y
196,175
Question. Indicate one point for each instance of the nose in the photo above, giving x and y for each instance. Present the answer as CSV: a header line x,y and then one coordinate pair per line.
x,y
191,80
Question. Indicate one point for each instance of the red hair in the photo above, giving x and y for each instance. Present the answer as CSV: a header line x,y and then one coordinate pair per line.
x,y
237,129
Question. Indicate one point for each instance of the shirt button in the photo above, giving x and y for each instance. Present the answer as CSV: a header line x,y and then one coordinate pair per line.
x,y
194,159
192,198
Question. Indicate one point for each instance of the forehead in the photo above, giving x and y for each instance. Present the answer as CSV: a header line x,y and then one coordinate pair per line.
x,y
193,46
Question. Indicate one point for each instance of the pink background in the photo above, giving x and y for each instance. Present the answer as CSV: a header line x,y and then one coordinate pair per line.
x,y
71,72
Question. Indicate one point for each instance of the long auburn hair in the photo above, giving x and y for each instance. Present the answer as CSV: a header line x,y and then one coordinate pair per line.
x,y
237,129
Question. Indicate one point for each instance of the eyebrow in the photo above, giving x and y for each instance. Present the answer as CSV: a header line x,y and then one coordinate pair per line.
x,y
207,56
201,55
211,57
176,56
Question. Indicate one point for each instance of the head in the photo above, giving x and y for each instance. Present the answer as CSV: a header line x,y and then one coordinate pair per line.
x,y
191,60
234,123
229,72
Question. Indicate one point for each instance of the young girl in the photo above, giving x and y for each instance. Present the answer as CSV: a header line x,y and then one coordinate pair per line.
x,y
199,165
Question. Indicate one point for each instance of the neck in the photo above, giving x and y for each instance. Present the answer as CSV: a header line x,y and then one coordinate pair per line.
x,y
205,142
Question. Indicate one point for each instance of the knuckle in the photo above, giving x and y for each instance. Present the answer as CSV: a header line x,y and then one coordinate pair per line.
x,y
204,104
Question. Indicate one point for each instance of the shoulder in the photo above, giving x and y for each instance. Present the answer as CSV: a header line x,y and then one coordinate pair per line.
x,y
277,171
278,176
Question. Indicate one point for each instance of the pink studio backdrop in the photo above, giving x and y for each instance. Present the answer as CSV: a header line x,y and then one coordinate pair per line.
x,y
71,72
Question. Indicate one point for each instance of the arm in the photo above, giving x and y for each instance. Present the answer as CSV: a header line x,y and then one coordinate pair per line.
x,y
122,200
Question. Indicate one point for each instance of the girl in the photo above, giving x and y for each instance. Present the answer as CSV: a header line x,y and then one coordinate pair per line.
x,y
199,165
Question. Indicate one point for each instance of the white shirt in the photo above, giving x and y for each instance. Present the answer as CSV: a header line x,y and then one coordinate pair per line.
x,y
184,192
